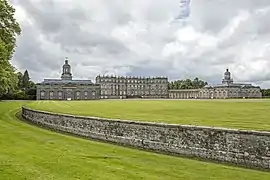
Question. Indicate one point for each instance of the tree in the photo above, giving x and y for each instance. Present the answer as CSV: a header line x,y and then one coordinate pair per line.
x,y
266,92
24,89
20,75
8,79
9,29
196,83
25,80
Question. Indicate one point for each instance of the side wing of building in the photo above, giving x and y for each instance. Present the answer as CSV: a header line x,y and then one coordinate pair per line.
x,y
50,91
216,93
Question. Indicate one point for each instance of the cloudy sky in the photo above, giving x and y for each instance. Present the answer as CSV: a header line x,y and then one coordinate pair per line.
x,y
144,38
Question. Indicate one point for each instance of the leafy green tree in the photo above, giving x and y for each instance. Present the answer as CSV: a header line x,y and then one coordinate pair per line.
x,y
266,92
31,91
26,91
9,29
8,79
196,83
19,95
20,75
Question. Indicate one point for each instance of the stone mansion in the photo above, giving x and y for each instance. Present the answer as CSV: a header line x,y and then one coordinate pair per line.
x,y
227,89
120,87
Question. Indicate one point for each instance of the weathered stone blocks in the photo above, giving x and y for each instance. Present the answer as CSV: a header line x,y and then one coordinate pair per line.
x,y
240,147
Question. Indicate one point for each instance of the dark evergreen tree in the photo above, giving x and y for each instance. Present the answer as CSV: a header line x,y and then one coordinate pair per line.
x,y
25,80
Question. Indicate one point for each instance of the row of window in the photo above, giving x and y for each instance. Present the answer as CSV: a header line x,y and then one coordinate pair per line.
x,y
106,86
60,93
236,91
182,96
132,92
133,81
121,97
230,92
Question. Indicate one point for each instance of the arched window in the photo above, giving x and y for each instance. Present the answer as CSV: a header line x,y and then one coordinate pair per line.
x,y
60,93
42,95
85,94
78,93
51,94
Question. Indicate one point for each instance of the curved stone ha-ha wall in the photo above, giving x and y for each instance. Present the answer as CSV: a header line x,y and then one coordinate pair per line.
x,y
243,148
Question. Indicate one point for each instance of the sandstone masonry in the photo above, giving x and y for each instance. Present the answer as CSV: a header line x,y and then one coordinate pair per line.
x,y
240,147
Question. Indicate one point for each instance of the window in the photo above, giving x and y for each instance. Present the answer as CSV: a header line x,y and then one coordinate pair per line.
x,y
78,94
42,95
51,94
93,93
85,93
60,93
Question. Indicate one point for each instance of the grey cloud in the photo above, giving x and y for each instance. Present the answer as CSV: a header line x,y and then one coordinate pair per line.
x,y
213,15
63,26
50,17
30,54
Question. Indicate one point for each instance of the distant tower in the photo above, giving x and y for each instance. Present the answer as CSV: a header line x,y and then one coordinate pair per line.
x,y
184,9
66,74
227,78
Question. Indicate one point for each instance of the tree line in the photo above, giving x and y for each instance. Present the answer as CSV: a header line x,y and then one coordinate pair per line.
x,y
196,83
25,89
266,93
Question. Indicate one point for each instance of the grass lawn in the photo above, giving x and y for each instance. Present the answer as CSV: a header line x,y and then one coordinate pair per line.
x,y
240,114
29,152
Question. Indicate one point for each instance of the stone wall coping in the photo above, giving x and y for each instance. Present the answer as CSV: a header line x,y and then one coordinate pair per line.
x,y
191,127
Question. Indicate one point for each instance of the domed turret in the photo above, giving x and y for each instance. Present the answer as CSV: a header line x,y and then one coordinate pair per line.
x,y
227,77
66,74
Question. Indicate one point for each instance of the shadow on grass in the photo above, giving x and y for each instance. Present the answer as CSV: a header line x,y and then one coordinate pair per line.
x,y
99,157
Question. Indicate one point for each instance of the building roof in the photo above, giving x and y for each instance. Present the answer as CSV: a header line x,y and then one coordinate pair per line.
x,y
231,85
60,81
184,90
130,77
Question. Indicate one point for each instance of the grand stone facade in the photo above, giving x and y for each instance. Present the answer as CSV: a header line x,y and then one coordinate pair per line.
x,y
66,88
106,87
240,147
228,89
119,87
113,87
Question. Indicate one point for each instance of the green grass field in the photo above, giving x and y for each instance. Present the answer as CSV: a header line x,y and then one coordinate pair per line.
x,y
31,153
240,114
